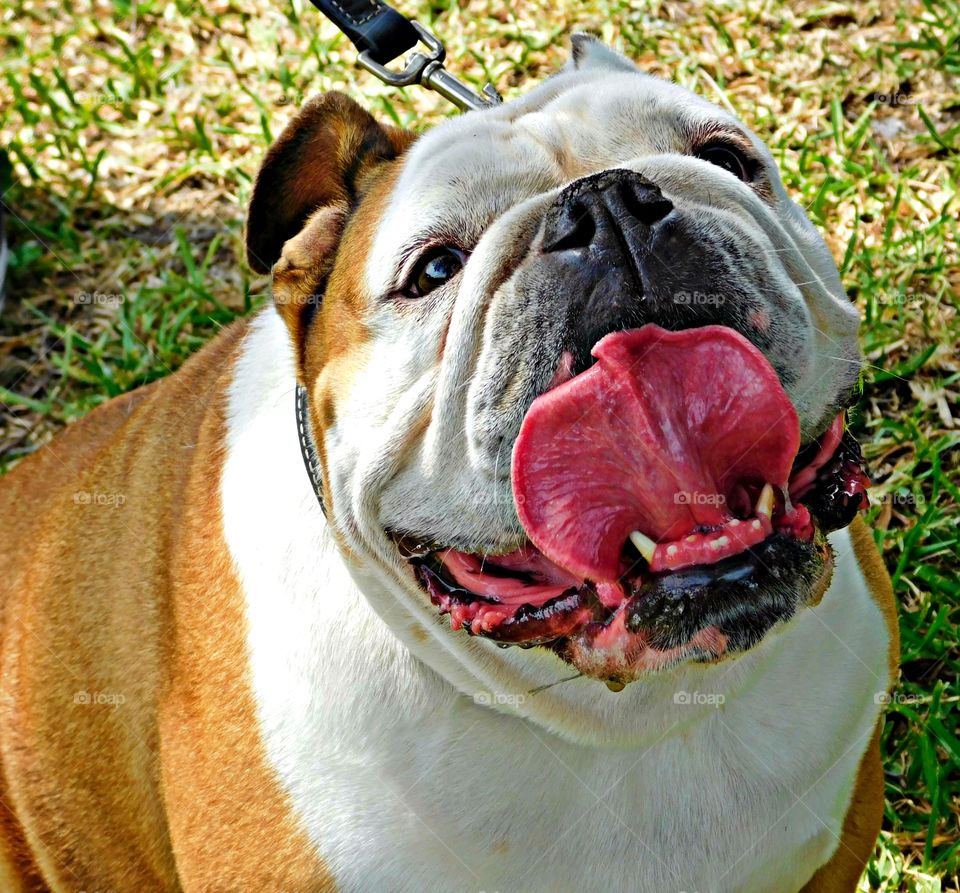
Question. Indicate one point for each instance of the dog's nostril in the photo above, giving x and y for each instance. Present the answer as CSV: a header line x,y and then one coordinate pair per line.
x,y
573,227
645,203
591,209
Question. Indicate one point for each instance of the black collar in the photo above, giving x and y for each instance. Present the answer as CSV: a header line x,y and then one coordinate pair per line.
x,y
309,452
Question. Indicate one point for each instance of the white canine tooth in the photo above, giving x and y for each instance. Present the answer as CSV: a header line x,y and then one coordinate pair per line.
x,y
756,525
765,502
644,544
734,522
671,551
723,541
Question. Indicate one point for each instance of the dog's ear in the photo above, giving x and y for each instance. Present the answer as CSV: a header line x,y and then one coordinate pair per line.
x,y
587,52
308,184
318,162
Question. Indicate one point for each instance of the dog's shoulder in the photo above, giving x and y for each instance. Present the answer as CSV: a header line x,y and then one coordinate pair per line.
x,y
29,489
90,526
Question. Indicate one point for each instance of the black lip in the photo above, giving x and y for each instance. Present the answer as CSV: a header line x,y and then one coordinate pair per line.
x,y
742,596
530,624
833,508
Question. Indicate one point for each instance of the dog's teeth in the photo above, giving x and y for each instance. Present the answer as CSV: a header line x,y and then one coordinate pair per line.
x,y
765,502
644,544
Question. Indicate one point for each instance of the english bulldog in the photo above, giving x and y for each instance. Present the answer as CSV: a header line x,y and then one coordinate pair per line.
x,y
552,581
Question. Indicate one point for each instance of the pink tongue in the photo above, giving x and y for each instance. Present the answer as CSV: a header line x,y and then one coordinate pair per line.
x,y
653,438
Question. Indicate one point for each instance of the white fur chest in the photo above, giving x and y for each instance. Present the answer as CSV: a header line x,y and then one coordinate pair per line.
x,y
403,782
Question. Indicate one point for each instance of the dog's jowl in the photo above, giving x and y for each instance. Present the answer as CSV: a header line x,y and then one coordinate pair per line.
x,y
584,603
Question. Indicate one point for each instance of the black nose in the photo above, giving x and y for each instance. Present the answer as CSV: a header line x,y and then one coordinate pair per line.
x,y
608,239
604,210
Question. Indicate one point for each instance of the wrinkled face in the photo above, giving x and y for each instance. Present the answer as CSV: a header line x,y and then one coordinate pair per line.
x,y
576,381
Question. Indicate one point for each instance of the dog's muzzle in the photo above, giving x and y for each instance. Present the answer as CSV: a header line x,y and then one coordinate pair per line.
x,y
627,256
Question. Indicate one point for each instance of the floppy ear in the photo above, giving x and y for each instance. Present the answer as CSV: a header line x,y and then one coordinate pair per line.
x,y
586,52
319,160
308,183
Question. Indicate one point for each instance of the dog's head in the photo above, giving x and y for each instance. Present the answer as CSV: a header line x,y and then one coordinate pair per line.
x,y
576,369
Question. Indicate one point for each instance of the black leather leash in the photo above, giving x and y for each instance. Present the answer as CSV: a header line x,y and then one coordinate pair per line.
x,y
381,34
373,28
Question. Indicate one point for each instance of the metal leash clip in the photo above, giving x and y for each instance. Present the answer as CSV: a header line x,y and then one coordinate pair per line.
x,y
381,34
428,70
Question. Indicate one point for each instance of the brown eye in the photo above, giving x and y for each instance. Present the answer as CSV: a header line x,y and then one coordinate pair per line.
x,y
729,158
434,269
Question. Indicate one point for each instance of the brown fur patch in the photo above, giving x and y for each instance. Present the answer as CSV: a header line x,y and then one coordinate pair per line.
x,y
334,354
231,824
318,160
128,739
299,277
861,825
326,180
875,572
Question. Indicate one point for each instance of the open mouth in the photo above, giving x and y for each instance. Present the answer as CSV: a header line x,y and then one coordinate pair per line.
x,y
670,510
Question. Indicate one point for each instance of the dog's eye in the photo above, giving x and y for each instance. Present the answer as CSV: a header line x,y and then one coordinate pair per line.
x,y
729,158
434,269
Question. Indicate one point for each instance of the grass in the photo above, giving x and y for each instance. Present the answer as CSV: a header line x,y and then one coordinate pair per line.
x,y
132,131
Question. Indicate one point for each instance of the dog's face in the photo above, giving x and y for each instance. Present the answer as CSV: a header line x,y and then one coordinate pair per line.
x,y
436,289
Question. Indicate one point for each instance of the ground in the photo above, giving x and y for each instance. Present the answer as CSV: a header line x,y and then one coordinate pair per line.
x,y
132,131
